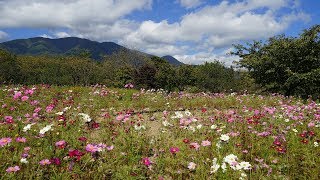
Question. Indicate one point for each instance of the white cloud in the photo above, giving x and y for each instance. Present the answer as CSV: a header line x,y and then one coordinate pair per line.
x,y
202,57
3,36
66,13
190,3
62,34
46,36
213,27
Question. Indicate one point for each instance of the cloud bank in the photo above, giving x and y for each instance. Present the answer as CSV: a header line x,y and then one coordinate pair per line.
x,y
197,37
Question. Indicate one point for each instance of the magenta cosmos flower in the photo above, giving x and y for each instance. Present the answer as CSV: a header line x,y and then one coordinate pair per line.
x,y
5,141
13,169
146,161
174,150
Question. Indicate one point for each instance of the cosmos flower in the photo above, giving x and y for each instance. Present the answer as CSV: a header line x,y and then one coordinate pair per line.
x,y
45,162
205,143
45,129
192,166
61,144
146,161
224,137
21,139
24,161
5,141
194,145
13,169
174,150
92,148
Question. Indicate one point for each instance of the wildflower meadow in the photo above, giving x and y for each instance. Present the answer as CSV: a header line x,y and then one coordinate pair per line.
x,y
96,132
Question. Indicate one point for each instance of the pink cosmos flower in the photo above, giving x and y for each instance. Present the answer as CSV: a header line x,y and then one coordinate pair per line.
x,y
120,117
61,144
311,124
91,148
194,145
29,91
49,108
27,149
109,148
45,162
174,150
34,102
206,143
38,109
146,161
21,139
24,98
13,169
5,141
17,95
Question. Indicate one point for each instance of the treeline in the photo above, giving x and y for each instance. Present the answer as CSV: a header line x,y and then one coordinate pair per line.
x,y
118,70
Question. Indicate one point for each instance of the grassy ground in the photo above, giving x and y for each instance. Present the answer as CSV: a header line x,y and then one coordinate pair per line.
x,y
103,133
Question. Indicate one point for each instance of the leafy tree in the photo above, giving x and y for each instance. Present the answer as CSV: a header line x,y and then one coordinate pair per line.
x,y
9,71
285,64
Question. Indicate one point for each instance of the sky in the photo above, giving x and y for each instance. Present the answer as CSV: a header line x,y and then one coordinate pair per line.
x,y
193,31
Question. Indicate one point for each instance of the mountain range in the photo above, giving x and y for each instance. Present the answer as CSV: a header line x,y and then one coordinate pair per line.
x,y
70,46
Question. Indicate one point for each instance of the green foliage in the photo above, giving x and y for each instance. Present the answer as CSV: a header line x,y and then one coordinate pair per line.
x,y
284,64
214,77
116,71
9,71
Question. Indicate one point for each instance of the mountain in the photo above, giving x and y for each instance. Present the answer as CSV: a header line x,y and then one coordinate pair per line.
x,y
63,46
172,60
71,46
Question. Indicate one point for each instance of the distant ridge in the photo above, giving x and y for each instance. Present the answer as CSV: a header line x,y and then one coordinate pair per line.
x,y
172,60
69,46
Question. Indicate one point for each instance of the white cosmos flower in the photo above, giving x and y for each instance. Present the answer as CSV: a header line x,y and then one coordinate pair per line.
x,y
85,117
213,126
315,144
230,159
224,137
178,115
191,128
192,166
27,127
199,126
45,129
24,161
187,113
224,167
59,113
138,128
245,165
218,145
215,166
166,123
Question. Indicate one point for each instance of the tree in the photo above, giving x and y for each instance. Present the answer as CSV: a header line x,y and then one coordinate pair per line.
x,y
9,71
285,64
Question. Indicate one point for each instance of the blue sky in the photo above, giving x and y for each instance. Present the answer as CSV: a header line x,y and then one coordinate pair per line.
x,y
193,31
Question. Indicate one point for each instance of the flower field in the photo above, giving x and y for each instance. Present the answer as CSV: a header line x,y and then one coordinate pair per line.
x,y
102,133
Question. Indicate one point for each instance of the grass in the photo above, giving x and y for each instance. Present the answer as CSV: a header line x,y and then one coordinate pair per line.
x,y
277,136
